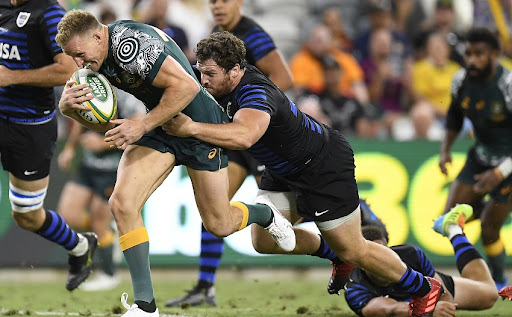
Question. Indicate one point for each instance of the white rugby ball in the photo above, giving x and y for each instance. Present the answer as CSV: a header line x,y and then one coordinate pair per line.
x,y
104,104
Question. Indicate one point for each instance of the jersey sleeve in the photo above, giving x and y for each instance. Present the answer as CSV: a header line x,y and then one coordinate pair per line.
x,y
51,17
256,96
258,43
137,51
357,296
455,116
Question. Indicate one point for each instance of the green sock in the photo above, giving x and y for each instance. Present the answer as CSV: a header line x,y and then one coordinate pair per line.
x,y
260,214
137,258
105,256
497,266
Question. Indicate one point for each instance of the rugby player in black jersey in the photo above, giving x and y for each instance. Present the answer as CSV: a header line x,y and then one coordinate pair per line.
x,y
262,53
369,295
309,167
31,64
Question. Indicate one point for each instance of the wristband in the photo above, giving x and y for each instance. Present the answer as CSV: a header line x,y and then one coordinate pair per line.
x,y
505,167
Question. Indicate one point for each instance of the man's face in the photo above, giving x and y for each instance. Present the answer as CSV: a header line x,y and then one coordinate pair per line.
x,y
18,2
216,81
85,50
480,60
225,12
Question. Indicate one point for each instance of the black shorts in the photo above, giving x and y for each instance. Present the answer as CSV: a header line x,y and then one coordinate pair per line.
x,y
190,152
473,166
26,150
244,159
448,282
101,182
327,190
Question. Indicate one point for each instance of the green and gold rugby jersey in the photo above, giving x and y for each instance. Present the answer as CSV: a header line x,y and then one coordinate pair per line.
x,y
136,53
489,107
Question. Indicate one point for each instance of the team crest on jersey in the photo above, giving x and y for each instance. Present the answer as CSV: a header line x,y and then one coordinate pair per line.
x,y
22,19
228,110
497,113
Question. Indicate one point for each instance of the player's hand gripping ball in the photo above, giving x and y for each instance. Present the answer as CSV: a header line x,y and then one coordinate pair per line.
x,y
104,104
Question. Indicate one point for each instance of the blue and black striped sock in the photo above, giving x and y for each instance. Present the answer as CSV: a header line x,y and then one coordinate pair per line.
x,y
55,229
465,252
414,283
325,252
211,253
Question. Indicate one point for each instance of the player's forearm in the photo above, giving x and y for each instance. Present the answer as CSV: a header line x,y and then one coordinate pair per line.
x,y
383,307
231,136
172,102
74,135
448,140
52,75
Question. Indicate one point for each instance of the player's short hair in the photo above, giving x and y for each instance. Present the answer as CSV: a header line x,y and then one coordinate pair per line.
x,y
372,233
483,35
75,22
224,48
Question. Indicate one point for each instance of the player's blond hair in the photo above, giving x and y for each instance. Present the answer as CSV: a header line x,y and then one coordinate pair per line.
x,y
75,22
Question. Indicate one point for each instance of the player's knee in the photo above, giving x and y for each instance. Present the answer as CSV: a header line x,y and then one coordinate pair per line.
x,y
217,229
26,206
28,220
120,207
487,297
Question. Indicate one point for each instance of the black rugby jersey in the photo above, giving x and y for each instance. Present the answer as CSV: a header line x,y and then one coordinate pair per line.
x,y
257,42
360,290
27,41
292,140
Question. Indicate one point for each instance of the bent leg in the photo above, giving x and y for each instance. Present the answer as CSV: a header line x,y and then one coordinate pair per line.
x,y
461,193
475,295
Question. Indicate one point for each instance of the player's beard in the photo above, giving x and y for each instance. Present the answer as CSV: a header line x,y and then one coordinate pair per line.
x,y
483,74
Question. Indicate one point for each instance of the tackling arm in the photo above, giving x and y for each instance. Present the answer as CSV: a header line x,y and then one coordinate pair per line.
x,y
48,76
384,306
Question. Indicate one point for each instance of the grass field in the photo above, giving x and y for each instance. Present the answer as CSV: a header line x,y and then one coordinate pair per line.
x,y
248,296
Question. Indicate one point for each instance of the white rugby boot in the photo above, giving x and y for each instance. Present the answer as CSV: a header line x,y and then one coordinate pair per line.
x,y
134,310
280,228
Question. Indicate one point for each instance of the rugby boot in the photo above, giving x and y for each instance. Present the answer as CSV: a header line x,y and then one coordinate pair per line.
x,y
80,266
134,310
339,278
280,228
424,306
200,294
456,216
506,292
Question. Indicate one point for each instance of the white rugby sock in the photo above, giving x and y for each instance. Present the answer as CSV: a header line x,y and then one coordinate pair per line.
x,y
454,230
81,248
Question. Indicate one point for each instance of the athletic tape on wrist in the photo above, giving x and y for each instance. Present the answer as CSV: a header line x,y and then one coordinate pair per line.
x,y
505,167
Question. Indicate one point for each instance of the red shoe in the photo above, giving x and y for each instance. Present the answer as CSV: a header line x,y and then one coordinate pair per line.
x,y
339,278
424,306
506,292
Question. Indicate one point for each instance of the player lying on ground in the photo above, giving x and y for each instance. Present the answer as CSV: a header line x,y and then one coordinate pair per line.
x,y
370,295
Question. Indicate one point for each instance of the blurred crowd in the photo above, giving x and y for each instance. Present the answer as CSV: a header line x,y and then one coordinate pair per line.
x,y
369,68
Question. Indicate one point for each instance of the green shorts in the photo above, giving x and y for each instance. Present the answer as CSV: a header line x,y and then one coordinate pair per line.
x,y
501,194
98,181
190,152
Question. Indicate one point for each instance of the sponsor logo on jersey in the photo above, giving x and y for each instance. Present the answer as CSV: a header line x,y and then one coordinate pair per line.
x,y
22,19
8,51
228,111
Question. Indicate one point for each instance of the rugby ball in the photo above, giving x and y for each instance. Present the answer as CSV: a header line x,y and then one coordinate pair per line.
x,y
104,104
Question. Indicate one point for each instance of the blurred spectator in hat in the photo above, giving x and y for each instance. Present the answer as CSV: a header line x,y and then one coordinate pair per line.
x,y
334,109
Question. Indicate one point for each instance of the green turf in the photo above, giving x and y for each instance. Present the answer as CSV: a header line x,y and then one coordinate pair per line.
x,y
236,298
